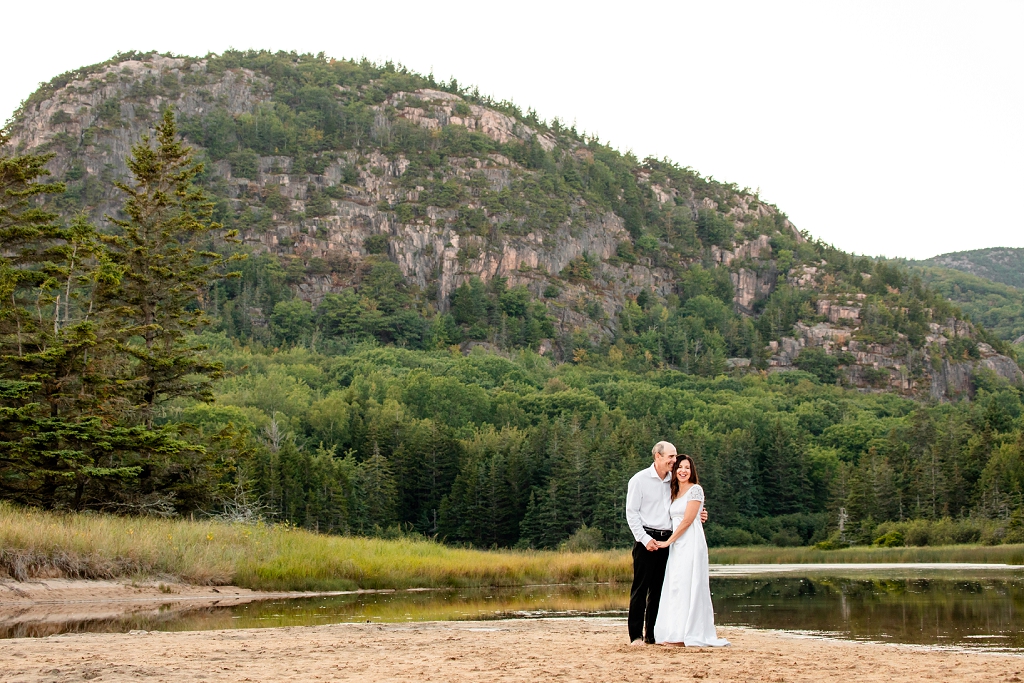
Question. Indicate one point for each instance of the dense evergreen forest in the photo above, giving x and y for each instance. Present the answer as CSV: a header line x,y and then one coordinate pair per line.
x,y
155,362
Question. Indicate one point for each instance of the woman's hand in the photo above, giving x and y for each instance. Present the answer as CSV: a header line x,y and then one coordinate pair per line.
x,y
662,544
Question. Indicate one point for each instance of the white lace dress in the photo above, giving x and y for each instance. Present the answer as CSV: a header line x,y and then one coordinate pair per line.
x,y
685,614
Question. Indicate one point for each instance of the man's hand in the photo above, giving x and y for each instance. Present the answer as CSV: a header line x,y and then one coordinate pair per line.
x,y
703,516
652,545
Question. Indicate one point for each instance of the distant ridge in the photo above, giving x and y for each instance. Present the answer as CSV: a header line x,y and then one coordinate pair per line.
x,y
999,264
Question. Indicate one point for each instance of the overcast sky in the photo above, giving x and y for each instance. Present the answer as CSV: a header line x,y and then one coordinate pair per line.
x,y
890,128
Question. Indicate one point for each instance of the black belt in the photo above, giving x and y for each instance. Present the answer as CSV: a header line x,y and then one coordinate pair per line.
x,y
657,534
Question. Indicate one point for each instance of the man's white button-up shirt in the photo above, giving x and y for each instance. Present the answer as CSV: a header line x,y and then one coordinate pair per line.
x,y
648,499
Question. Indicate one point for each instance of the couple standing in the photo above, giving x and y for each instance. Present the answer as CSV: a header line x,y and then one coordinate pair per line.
x,y
665,512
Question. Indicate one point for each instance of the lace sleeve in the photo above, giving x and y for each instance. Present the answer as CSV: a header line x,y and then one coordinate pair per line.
x,y
697,493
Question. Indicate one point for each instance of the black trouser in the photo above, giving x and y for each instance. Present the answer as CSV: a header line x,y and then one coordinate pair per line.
x,y
645,594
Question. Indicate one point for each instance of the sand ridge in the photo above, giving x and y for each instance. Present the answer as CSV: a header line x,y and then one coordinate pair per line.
x,y
574,649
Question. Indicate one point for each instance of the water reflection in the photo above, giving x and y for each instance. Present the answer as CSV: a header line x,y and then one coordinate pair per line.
x,y
931,611
921,610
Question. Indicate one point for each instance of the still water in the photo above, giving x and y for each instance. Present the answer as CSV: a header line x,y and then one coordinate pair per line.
x,y
982,610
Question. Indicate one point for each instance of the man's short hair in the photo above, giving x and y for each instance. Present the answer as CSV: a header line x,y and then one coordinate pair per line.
x,y
659,448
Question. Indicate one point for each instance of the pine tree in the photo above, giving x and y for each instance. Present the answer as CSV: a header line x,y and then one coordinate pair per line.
x,y
165,266
55,439
377,491
784,472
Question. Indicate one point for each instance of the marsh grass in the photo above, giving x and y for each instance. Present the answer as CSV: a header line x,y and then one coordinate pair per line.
x,y
982,554
42,544
35,544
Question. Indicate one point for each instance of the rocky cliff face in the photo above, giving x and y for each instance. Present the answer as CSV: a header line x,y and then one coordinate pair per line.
x,y
583,258
92,122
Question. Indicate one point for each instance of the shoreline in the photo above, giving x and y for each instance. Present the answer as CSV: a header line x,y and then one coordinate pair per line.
x,y
115,591
569,649
45,607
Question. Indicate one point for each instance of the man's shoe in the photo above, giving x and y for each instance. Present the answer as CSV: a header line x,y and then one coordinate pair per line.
x,y
637,643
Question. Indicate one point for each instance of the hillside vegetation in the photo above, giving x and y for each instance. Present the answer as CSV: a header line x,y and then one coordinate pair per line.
x,y
388,206
998,264
349,298
997,306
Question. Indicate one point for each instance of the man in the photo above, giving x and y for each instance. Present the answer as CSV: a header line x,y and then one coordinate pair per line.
x,y
647,502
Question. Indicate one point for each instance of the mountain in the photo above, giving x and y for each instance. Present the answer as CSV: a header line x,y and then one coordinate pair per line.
x,y
997,306
456,319
381,204
987,284
998,264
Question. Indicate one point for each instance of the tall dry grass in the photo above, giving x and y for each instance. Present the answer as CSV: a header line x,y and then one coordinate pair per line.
x,y
43,544
982,554
35,543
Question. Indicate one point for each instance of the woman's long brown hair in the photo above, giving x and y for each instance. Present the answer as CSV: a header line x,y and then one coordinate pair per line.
x,y
693,474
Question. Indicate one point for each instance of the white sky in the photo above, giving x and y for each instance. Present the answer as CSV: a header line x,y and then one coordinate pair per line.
x,y
892,128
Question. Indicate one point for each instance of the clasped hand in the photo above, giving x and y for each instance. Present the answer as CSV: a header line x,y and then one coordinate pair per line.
x,y
653,545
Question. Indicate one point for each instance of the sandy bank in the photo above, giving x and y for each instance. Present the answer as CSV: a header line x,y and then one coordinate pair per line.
x,y
544,649
40,607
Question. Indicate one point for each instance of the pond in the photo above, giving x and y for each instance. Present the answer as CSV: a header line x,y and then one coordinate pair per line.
x,y
935,608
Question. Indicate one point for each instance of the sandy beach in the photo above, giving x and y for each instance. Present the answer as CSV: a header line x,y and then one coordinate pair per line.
x,y
521,650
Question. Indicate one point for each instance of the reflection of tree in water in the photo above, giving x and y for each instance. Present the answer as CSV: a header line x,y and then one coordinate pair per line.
x,y
920,610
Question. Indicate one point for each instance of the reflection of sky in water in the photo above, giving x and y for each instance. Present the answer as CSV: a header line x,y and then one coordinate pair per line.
x,y
971,612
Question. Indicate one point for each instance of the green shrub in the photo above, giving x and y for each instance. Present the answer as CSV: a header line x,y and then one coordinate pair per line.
x,y
719,536
786,538
275,201
291,320
578,269
60,116
244,164
713,228
945,531
585,539
1015,529
876,377
833,542
109,110
893,539
648,244
318,204
624,251
376,244
818,363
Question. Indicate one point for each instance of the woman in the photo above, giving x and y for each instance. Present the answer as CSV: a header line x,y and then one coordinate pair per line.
x,y
685,614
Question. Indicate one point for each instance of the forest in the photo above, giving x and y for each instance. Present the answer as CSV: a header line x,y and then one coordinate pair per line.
x,y
153,365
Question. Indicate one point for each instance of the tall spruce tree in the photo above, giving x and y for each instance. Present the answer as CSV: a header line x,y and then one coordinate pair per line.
x,y
54,438
162,249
